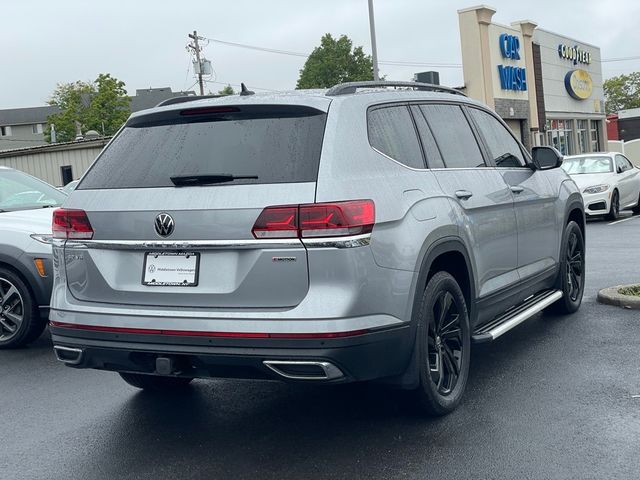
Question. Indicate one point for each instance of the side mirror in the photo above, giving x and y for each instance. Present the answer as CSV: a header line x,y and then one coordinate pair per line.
x,y
545,158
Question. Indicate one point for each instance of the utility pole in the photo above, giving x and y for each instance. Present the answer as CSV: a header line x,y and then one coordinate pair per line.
x,y
196,49
374,50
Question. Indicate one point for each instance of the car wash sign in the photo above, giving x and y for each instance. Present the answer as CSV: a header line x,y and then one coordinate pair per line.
x,y
512,77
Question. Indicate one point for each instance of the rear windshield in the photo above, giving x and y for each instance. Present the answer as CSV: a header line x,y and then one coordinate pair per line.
x,y
276,144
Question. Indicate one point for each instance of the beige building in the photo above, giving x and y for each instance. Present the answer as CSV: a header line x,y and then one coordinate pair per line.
x,y
547,87
58,163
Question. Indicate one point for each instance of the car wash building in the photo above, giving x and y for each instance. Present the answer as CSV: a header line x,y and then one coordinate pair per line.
x,y
547,87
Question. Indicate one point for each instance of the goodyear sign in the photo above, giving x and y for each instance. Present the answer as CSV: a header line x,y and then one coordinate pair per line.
x,y
511,77
579,84
574,54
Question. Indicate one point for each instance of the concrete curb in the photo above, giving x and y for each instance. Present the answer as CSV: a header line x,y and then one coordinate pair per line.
x,y
610,296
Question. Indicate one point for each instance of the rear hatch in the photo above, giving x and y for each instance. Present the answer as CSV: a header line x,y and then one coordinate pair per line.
x,y
172,202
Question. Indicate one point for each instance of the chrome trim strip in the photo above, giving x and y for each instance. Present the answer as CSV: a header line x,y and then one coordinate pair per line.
x,y
524,315
320,242
338,242
184,244
77,351
331,372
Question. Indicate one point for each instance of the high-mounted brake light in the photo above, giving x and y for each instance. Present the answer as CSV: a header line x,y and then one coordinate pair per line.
x,y
335,219
71,224
208,110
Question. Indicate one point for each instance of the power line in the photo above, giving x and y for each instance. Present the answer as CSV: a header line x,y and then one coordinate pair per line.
x,y
621,59
305,55
397,63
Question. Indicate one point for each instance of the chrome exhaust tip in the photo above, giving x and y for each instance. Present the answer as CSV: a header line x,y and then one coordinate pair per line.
x,y
68,355
304,369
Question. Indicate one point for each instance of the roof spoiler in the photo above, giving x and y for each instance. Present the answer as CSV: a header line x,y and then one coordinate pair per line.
x,y
185,98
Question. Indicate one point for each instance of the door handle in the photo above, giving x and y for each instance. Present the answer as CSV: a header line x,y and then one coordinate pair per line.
x,y
517,189
464,194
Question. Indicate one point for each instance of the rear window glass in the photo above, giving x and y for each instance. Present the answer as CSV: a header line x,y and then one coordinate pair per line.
x,y
276,144
391,132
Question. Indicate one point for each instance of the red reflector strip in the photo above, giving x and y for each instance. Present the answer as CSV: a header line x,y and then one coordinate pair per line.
x,y
187,333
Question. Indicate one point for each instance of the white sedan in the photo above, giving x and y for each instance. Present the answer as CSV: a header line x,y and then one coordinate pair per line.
x,y
608,181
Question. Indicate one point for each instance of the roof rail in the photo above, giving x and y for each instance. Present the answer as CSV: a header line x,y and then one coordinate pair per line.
x,y
351,87
183,99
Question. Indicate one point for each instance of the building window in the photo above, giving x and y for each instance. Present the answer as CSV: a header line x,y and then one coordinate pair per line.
x,y
595,136
36,128
582,132
5,131
560,135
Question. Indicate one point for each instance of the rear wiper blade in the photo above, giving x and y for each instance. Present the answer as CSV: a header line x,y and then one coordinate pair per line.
x,y
186,180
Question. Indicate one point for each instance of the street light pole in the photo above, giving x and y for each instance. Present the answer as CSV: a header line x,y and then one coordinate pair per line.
x,y
374,50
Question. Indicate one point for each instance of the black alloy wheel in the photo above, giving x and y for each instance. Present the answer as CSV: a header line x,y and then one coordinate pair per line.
x,y
443,345
614,210
574,266
571,277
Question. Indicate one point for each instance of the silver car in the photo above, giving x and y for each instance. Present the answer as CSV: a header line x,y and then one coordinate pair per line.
x,y
349,234
26,270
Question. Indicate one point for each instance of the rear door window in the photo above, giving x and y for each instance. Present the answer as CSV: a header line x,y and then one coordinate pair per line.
x,y
503,148
391,131
454,136
275,143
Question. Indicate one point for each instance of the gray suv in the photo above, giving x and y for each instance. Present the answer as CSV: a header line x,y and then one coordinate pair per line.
x,y
349,234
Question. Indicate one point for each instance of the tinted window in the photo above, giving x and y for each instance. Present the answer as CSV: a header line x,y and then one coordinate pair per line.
x,y
391,132
275,143
453,135
431,151
503,148
624,163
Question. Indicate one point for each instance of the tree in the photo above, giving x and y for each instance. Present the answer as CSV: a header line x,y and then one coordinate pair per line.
x,y
72,99
110,106
228,90
102,105
622,92
335,61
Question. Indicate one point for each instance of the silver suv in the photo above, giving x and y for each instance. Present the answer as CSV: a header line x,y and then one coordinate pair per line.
x,y
351,234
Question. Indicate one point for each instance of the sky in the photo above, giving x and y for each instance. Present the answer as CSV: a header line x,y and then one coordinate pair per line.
x,y
142,42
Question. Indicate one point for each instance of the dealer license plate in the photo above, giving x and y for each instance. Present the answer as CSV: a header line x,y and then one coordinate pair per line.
x,y
171,269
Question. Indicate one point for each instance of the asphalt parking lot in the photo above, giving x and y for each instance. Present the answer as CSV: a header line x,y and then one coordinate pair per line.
x,y
555,398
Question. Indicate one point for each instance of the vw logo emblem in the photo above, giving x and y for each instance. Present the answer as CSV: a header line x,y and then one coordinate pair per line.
x,y
164,225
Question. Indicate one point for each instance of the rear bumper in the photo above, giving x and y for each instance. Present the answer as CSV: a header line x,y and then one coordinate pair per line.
x,y
368,356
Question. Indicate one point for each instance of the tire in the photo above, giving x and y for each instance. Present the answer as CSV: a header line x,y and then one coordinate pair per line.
x,y
443,346
20,321
614,209
636,209
155,383
571,276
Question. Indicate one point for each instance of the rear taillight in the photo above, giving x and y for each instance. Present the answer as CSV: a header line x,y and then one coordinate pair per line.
x,y
335,219
277,222
71,224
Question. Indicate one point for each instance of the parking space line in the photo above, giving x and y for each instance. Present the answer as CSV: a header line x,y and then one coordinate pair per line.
x,y
623,220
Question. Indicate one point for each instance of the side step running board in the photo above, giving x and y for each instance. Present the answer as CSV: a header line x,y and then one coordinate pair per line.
x,y
515,316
